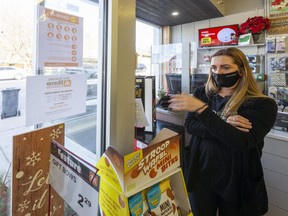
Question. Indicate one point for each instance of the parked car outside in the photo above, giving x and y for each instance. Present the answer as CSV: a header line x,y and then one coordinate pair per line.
x,y
89,73
92,72
141,67
12,72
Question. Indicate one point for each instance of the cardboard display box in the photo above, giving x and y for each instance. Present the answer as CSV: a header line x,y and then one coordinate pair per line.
x,y
121,177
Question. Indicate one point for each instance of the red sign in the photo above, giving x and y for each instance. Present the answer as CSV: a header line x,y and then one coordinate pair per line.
x,y
219,36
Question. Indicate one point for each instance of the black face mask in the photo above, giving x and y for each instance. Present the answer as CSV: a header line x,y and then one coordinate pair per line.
x,y
226,80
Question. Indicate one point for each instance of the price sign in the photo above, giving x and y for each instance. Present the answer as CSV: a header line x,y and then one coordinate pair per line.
x,y
206,40
74,180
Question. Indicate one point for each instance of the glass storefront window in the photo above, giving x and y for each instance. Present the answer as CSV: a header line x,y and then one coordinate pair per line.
x,y
19,59
80,130
16,38
176,63
168,58
147,36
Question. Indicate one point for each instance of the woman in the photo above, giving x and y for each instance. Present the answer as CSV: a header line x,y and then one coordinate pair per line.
x,y
228,120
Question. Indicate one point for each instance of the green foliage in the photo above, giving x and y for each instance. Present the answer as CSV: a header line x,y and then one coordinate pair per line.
x,y
68,211
161,92
4,194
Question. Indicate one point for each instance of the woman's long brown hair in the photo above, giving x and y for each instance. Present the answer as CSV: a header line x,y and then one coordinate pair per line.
x,y
246,88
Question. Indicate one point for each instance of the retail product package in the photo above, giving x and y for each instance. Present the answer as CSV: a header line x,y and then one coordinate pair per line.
x,y
138,204
161,199
122,178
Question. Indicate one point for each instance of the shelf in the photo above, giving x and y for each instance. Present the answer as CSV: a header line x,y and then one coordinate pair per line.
x,y
223,47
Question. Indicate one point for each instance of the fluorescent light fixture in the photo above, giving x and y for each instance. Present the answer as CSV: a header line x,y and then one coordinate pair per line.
x,y
175,13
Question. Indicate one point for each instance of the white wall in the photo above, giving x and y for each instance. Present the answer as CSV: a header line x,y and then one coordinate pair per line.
x,y
236,6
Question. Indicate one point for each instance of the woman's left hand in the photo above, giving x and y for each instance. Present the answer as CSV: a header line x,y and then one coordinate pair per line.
x,y
239,122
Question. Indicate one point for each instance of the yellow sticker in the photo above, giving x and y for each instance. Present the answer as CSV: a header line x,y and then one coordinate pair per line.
x,y
206,40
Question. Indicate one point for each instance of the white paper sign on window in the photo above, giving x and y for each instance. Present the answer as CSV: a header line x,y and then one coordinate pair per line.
x,y
53,97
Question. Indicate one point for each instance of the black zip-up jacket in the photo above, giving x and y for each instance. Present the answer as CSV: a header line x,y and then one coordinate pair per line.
x,y
216,147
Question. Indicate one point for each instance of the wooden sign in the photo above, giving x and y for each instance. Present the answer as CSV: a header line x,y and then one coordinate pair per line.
x,y
278,30
32,194
278,26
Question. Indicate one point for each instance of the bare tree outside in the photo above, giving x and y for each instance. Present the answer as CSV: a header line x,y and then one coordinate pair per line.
x,y
16,33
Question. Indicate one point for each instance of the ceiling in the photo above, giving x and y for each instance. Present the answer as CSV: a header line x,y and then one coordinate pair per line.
x,y
159,11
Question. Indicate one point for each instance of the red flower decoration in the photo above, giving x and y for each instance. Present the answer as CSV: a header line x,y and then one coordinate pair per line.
x,y
254,25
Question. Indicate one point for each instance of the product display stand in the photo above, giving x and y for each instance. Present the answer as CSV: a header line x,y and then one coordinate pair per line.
x,y
122,177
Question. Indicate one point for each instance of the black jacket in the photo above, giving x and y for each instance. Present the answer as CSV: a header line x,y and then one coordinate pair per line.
x,y
215,154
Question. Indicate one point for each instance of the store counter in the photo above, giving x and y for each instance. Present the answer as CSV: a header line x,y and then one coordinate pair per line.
x,y
274,161
277,134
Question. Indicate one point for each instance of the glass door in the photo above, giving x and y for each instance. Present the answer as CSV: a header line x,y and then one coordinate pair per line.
x,y
74,47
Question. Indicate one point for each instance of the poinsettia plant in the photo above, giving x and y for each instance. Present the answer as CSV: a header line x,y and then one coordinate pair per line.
x,y
254,25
